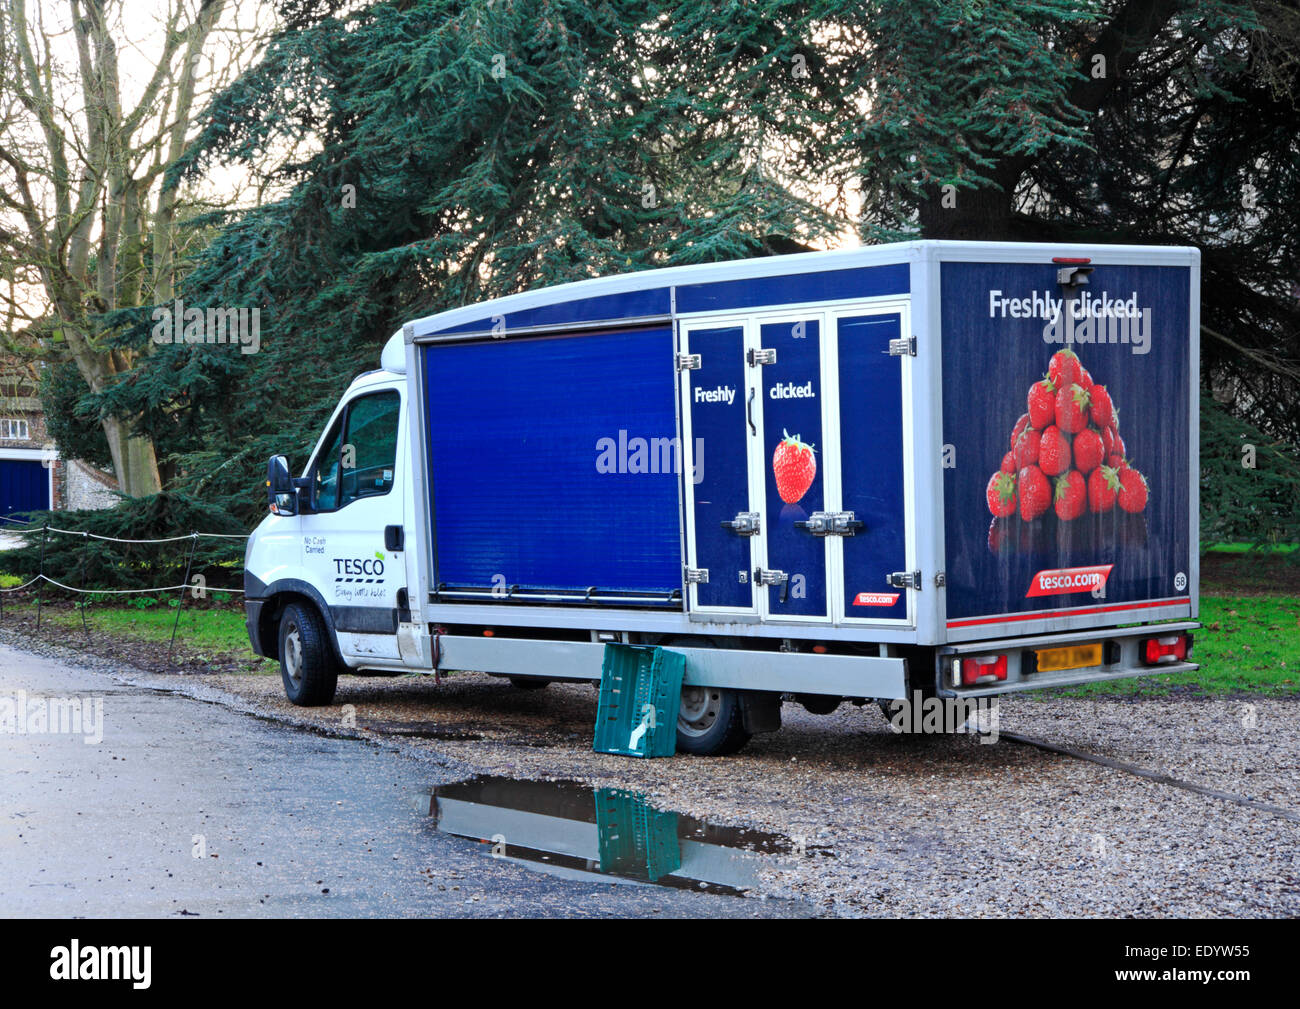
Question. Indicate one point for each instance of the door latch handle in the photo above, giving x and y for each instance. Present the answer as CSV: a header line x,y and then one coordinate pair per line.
x,y
749,412
831,524
745,524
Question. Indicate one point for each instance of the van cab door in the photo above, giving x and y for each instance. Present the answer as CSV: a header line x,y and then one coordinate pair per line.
x,y
356,565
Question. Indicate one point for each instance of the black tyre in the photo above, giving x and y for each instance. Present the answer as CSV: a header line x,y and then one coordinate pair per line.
x,y
307,664
529,682
710,722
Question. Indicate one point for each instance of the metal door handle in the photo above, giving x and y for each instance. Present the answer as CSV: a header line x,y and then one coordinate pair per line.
x,y
749,411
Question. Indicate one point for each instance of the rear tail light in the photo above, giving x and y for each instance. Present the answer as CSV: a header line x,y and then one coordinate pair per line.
x,y
984,669
1174,648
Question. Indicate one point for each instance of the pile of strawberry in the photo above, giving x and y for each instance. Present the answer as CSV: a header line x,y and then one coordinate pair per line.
x,y
1066,452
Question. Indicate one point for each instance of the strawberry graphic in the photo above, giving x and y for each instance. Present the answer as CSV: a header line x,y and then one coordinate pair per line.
x,y
1103,484
1053,452
1071,497
1001,494
794,466
1088,450
1117,444
1035,493
1072,408
1008,463
1064,368
1042,404
1132,496
1026,453
1019,429
1101,409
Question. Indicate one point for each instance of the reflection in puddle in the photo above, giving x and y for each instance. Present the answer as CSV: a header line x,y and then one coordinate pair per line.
x,y
575,831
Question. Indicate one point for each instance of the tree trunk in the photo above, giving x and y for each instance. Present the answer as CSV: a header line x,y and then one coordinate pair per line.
x,y
134,459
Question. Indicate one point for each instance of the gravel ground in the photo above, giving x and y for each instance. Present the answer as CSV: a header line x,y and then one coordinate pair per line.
x,y
896,825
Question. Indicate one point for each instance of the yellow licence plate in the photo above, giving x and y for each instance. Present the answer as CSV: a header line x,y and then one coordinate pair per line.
x,y
1069,657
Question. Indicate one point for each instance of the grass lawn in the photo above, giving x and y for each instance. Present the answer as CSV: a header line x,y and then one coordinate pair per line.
x,y
212,633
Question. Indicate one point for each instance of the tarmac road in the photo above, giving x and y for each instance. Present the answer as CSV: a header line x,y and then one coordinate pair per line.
x,y
191,809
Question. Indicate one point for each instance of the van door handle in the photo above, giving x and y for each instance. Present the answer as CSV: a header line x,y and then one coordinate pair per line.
x,y
749,412
394,539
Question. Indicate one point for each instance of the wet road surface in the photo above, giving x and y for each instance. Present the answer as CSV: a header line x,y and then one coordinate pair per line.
x,y
190,809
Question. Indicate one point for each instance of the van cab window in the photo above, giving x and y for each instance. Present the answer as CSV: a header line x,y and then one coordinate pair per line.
x,y
360,454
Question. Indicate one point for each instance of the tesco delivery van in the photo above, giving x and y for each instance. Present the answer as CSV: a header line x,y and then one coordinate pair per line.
x,y
959,468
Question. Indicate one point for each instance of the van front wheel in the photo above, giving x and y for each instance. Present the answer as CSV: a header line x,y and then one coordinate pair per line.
x,y
306,661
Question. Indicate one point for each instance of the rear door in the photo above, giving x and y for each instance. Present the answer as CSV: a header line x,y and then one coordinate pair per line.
x,y
797,499
1074,550
718,424
874,454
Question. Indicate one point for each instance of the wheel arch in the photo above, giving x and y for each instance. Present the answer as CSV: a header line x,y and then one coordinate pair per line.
x,y
280,594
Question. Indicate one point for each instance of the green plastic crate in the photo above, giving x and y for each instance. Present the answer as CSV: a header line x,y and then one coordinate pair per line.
x,y
640,692
636,840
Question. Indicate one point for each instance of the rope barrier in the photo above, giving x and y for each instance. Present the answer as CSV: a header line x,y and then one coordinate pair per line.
x,y
111,592
117,539
41,578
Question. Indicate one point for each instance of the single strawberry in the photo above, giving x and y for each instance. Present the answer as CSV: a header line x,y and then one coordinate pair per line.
x,y
1103,483
1085,378
1101,409
1114,460
1053,452
794,466
1072,408
1008,463
1108,440
1035,493
1071,497
1027,448
1088,450
1042,404
1132,495
1016,431
1064,368
1002,494
1117,445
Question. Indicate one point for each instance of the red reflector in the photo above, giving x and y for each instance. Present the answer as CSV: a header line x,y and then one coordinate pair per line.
x,y
1170,649
489,633
819,649
985,669
1072,260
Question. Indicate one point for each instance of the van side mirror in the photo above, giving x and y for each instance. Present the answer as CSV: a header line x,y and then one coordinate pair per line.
x,y
281,494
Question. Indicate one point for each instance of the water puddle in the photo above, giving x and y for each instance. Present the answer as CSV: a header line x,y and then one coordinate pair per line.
x,y
572,830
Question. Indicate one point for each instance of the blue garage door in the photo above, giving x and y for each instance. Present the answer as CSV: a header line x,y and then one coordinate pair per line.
x,y
24,486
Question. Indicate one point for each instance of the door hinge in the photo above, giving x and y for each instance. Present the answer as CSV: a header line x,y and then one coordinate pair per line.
x,y
904,580
689,362
697,576
761,355
767,576
745,524
904,346
940,579
831,524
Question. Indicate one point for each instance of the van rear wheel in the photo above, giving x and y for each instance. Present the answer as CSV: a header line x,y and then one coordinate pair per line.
x,y
306,661
710,722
